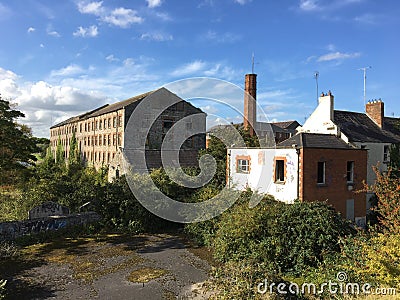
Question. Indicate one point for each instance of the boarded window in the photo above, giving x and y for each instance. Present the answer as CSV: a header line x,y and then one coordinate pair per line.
x,y
350,209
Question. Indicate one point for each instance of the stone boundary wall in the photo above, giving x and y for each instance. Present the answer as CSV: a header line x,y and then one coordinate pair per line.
x,y
15,229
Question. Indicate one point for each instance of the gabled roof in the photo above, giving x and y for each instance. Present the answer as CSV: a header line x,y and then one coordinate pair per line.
x,y
293,124
358,127
314,140
119,105
113,107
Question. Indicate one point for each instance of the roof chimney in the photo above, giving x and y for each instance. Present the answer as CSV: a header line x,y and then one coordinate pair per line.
x,y
250,94
326,102
375,111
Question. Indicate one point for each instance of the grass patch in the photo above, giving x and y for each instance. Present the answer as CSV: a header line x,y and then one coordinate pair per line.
x,y
145,275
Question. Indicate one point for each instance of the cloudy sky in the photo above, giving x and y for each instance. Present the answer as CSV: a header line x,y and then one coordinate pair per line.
x,y
61,58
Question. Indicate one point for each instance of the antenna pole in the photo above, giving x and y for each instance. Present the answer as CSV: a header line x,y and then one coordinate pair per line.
x,y
365,81
316,75
252,63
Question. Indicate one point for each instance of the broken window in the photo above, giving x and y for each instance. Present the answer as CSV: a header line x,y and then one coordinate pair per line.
x,y
279,170
321,172
350,171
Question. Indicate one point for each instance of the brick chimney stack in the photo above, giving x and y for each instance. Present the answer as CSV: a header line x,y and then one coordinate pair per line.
x,y
250,112
375,110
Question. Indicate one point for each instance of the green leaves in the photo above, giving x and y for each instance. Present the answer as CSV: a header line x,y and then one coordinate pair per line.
x,y
16,144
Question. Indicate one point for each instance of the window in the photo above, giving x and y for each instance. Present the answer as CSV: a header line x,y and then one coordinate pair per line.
x,y
386,154
119,139
109,140
321,172
279,170
350,171
109,122
115,122
120,121
97,125
114,139
105,140
105,123
243,166
100,124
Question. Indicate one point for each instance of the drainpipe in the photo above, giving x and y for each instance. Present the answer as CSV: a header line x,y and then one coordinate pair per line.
x,y
298,172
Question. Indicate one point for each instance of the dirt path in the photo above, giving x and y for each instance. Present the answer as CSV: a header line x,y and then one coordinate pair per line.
x,y
107,267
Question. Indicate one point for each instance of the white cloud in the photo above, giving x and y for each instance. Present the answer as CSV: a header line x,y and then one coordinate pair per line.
x,y
366,19
338,56
5,12
156,36
91,31
67,71
121,17
153,3
163,16
226,37
50,31
111,58
45,104
324,5
190,68
309,5
243,2
31,29
94,8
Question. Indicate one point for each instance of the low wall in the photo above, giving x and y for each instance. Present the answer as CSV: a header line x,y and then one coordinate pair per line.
x,y
12,230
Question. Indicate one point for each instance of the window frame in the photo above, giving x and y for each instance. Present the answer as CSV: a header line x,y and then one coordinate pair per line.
x,y
350,171
280,170
323,163
243,168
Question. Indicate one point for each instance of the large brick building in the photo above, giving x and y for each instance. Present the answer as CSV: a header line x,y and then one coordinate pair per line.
x,y
101,137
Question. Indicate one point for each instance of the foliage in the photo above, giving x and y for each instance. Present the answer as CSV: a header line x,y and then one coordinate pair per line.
x,y
395,160
387,191
17,144
374,259
121,210
286,238
3,283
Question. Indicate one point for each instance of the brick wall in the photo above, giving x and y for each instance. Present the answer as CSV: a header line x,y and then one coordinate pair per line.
x,y
336,189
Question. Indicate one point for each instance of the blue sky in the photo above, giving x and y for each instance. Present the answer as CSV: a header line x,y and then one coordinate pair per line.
x,y
60,58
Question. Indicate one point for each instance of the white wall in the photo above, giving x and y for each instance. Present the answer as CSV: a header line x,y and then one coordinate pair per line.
x,y
261,176
321,120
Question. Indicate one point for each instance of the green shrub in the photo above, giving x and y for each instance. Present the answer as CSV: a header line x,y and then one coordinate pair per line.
x,y
287,239
3,283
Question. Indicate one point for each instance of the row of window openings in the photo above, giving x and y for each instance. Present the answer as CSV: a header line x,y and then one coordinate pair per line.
x,y
95,140
98,156
95,125
243,166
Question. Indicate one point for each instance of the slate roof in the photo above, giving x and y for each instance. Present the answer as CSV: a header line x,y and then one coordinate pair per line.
x,y
358,127
315,140
107,108
293,124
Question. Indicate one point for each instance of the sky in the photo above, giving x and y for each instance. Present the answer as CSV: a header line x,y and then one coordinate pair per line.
x,y
62,58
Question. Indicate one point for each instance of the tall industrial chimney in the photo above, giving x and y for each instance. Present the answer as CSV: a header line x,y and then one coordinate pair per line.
x,y
250,94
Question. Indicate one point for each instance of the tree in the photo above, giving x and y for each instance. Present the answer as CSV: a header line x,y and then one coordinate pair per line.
x,y
16,144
